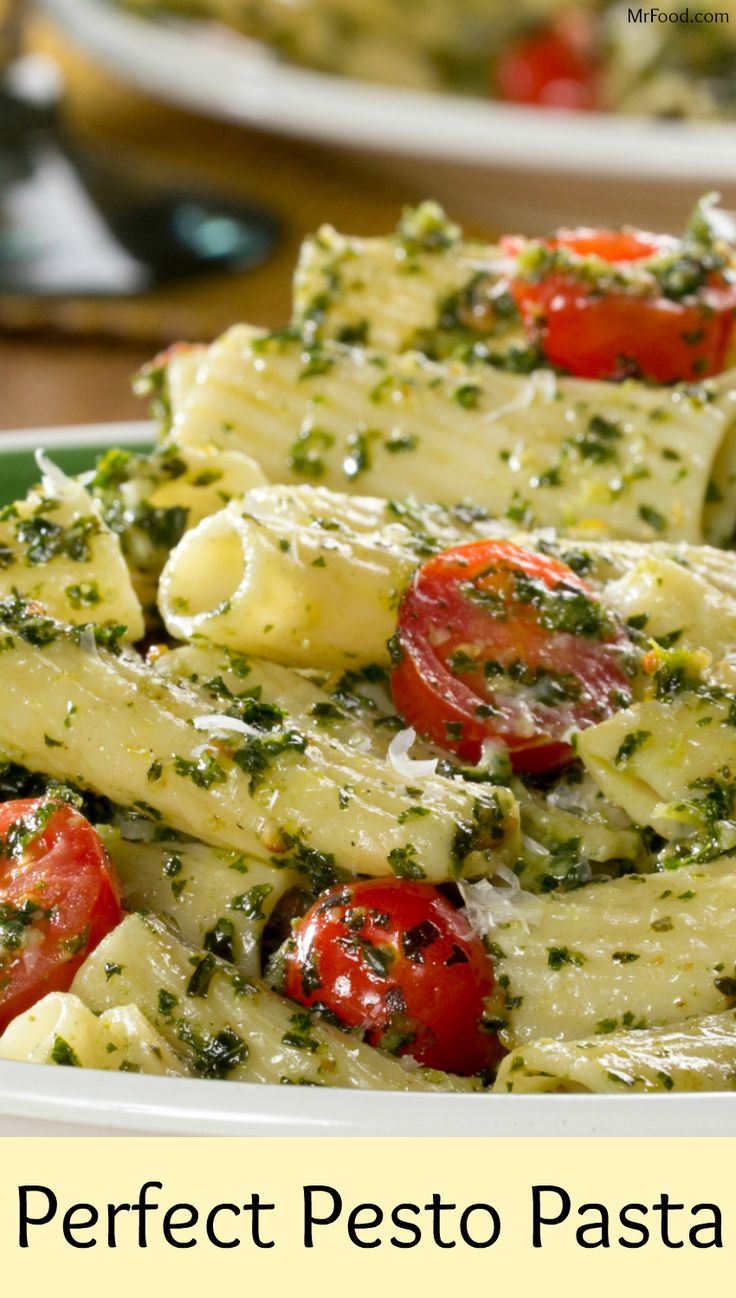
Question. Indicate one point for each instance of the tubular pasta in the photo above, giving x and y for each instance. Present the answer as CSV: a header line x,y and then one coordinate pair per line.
x,y
391,426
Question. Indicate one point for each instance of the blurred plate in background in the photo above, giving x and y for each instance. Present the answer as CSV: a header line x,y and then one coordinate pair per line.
x,y
223,74
513,166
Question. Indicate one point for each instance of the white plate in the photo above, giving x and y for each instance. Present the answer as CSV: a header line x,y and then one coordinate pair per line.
x,y
227,76
37,1100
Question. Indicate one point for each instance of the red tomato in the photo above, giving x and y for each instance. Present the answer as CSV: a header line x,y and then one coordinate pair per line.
x,y
587,241
555,67
498,643
609,334
396,959
611,245
58,899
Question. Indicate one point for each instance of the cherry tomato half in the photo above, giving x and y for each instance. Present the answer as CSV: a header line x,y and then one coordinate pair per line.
x,y
555,67
499,643
397,959
610,334
58,899
587,241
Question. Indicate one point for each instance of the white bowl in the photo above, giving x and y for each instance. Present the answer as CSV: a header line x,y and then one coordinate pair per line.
x,y
47,1100
38,1101
508,166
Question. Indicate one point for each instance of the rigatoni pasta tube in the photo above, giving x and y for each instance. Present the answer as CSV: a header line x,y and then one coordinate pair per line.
x,y
635,952
304,575
55,548
225,679
667,599
151,499
670,763
232,582
227,1026
358,753
211,478
262,786
372,290
221,900
60,1029
590,457
313,578
607,561
696,1055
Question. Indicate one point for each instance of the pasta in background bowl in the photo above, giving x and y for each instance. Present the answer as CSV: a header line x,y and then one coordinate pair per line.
x,y
575,55
494,163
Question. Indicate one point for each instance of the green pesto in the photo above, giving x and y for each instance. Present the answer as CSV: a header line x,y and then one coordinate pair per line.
x,y
45,539
560,956
300,1035
306,453
63,1054
15,921
86,594
220,940
404,864
204,772
631,744
250,903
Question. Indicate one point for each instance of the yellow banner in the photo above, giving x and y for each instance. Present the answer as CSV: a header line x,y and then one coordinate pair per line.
x,y
362,1217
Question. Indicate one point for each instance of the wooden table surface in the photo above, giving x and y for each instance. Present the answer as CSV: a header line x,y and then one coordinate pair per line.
x,y
49,375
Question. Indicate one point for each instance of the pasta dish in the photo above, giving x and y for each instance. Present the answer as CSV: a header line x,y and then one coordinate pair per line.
x,y
378,727
669,61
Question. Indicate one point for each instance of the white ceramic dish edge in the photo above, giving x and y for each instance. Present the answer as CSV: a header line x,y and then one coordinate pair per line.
x,y
38,1101
237,80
